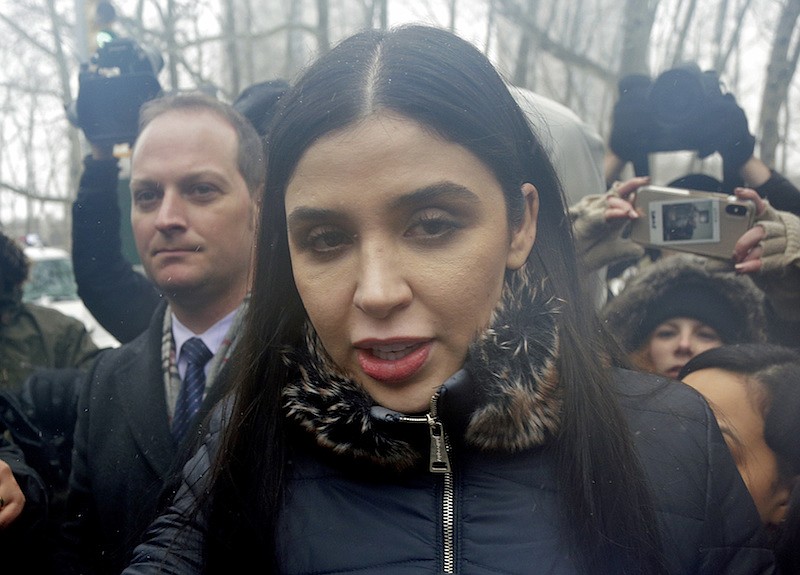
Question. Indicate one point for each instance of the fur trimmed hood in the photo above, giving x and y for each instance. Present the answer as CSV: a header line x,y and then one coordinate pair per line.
x,y
507,394
690,285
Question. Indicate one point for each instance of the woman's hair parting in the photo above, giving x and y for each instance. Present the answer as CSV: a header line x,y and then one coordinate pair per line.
x,y
447,86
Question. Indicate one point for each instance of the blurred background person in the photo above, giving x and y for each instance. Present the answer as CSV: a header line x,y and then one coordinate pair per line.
x,y
575,148
754,391
768,253
23,512
32,336
122,299
680,306
684,130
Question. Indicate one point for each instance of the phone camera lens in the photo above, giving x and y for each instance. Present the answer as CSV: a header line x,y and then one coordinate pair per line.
x,y
735,210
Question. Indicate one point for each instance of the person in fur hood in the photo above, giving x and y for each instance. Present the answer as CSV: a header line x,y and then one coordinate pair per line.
x,y
769,252
421,386
680,306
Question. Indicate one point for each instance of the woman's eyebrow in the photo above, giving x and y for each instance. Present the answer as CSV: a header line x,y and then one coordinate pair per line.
x,y
440,191
436,192
305,214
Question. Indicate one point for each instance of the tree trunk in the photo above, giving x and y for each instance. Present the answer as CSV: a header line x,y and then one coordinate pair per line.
x,y
721,61
780,71
677,57
63,67
323,26
637,26
229,41
173,51
526,41
293,40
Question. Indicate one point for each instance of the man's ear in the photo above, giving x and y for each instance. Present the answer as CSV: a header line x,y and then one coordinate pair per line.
x,y
523,237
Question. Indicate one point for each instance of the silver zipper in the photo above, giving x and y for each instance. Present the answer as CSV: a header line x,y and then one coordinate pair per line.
x,y
440,463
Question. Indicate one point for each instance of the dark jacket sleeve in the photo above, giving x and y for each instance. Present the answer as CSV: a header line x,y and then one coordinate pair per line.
x,y
34,515
781,193
174,543
739,546
79,518
121,299
710,523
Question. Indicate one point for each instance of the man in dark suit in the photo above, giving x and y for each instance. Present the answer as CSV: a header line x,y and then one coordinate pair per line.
x,y
197,170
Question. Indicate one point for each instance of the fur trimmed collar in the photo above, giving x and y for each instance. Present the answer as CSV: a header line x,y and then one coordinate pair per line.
x,y
512,397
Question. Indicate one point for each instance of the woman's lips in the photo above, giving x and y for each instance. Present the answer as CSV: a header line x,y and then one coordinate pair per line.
x,y
674,371
396,361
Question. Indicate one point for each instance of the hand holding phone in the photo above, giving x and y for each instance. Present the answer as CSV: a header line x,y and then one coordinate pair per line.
x,y
704,223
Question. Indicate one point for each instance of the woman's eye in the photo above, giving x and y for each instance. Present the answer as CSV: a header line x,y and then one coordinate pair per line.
x,y
708,335
324,241
664,333
433,225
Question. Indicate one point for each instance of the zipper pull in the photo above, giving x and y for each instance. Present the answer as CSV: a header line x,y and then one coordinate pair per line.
x,y
439,459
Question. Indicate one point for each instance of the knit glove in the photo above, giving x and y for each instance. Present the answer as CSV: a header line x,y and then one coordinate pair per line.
x,y
779,276
598,241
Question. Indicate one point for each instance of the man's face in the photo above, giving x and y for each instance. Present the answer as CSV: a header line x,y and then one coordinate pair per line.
x,y
192,214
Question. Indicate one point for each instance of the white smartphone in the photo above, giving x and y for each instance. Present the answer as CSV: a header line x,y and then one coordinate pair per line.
x,y
704,223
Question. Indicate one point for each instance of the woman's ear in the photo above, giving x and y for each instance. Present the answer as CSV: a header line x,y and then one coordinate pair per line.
x,y
523,237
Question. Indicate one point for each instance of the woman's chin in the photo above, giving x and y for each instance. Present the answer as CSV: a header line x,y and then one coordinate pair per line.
x,y
408,399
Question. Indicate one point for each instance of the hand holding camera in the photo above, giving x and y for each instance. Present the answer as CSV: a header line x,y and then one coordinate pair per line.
x,y
682,109
112,87
633,124
730,134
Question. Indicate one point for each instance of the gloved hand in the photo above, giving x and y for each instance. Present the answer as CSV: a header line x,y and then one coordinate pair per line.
x,y
633,123
729,133
779,276
770,253
598,240
50,397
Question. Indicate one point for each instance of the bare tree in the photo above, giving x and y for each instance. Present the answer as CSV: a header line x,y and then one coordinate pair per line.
x,y
323,26
526,40
780,70
725,49
683,32
637,27
231,36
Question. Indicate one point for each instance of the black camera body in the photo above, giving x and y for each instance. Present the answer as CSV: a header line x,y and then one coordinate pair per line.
x,y
112,87
680,101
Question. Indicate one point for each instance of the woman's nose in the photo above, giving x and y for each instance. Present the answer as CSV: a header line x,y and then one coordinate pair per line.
x,y
382,286
685,343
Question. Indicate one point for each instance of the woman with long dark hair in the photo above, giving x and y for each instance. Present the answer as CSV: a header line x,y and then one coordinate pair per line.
x,y
422,386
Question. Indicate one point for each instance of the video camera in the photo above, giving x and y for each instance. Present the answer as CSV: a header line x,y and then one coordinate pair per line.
x,y
120,77
672,112
680,101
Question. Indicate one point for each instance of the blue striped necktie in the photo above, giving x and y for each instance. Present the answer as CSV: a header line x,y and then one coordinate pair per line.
x,y
194,382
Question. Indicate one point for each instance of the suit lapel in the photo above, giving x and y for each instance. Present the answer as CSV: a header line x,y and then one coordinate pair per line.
x,y
141,392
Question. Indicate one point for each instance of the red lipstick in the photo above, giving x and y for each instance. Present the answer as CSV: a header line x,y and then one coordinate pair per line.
x,y
396,361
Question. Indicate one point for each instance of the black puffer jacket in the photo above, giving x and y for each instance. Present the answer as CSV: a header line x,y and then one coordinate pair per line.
x,y
506,506
482,497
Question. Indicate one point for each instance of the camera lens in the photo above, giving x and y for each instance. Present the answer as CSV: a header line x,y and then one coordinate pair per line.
x,y
677,98
736,210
